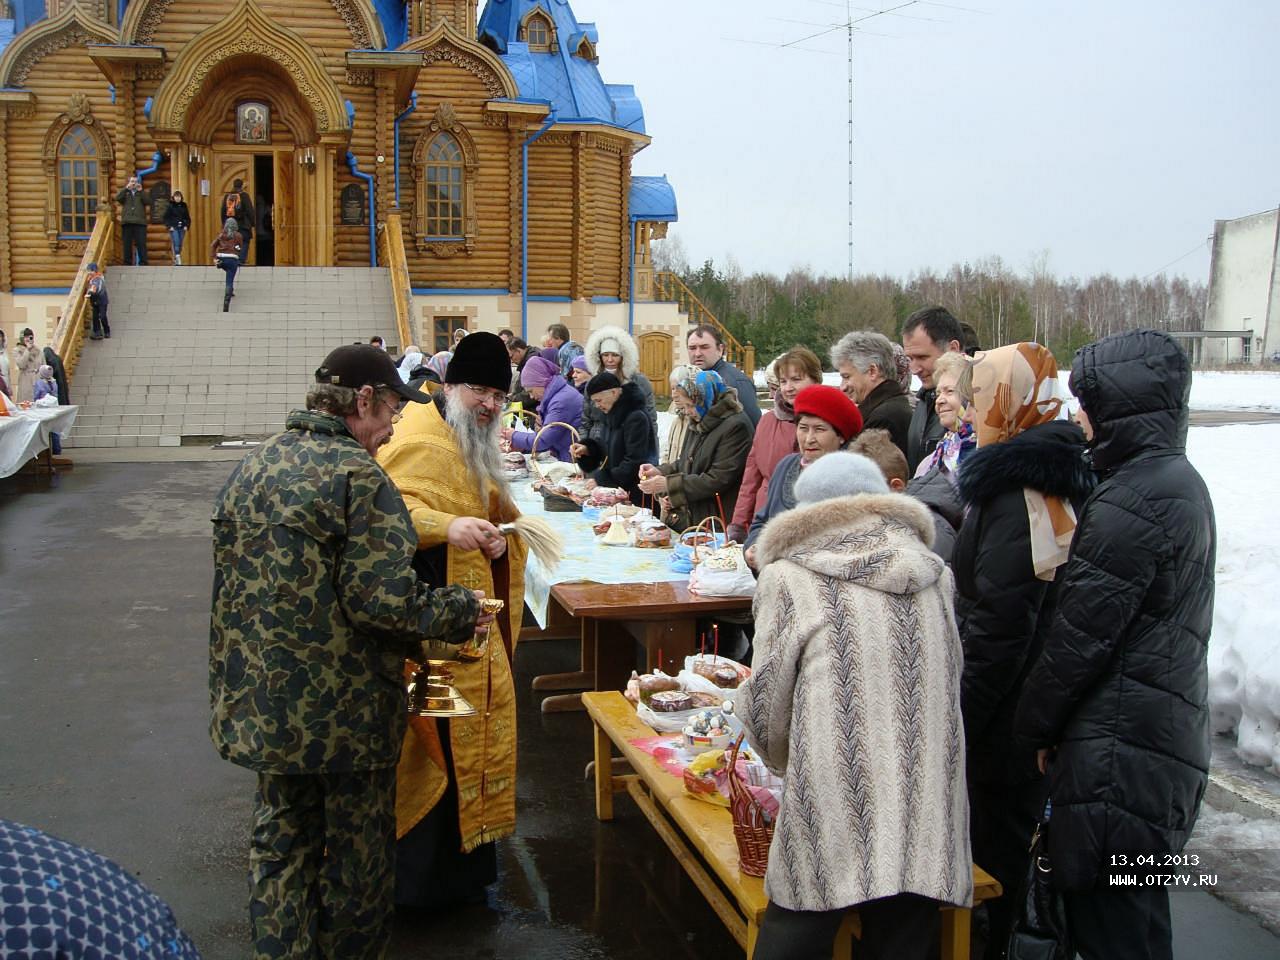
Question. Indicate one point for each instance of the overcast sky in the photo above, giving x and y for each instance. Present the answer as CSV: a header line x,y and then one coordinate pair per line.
x,y
1111,133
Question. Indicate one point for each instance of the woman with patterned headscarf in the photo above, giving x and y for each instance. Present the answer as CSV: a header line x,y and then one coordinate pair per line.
x,y
1022,488
703,481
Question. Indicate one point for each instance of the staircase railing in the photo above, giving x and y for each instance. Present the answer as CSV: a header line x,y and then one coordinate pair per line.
x,y
391,249
670,288
68,335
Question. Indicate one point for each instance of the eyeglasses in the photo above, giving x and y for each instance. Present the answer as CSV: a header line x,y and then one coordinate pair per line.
x,y
397,409
487,395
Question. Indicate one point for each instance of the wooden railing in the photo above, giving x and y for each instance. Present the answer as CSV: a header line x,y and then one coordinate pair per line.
x,y
670,288
77,312
391,250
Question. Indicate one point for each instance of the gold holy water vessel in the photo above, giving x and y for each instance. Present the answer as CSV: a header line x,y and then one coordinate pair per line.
x,y
431,691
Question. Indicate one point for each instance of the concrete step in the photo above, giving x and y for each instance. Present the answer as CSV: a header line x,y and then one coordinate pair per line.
x,y
176,366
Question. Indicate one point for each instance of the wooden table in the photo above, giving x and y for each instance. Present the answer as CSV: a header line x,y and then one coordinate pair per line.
x,y
660,616
700,835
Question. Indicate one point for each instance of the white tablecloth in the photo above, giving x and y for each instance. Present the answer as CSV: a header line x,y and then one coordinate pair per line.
x,y
26,434
585,558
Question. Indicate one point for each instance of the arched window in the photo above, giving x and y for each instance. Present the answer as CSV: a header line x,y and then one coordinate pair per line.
x,y
77,183
537,32
445,169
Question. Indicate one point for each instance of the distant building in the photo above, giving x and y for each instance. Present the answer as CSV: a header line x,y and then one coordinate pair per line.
x,y
1242,322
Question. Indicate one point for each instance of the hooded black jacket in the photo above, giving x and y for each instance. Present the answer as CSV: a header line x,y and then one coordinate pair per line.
x,y
628,441
1121,688
1003,609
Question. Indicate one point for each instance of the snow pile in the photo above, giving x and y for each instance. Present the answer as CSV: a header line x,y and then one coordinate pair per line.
x,y
1213,390
1244,671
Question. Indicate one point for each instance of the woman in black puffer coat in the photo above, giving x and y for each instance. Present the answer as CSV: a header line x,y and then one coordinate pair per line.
x,y
613,458
1121,687
1028,469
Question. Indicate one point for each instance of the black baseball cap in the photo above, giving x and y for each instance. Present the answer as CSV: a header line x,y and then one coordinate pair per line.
x,y
359,364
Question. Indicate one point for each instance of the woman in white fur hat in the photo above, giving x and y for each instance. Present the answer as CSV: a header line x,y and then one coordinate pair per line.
x,y
614,350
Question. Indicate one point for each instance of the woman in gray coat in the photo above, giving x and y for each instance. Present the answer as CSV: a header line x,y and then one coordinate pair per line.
x,y
855,698
703,481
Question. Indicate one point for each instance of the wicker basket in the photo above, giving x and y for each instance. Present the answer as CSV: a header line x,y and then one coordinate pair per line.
x,y
533,451
710,530
751,830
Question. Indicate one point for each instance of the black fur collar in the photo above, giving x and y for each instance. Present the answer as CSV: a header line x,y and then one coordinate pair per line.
x,y
1050,458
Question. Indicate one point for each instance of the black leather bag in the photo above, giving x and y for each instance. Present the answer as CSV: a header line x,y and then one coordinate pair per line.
x,y
1040,931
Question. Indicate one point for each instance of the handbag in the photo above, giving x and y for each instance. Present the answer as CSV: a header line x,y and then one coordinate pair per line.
x,y
1040,929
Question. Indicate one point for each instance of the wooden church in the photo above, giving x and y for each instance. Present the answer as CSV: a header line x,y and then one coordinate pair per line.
x,y
486,142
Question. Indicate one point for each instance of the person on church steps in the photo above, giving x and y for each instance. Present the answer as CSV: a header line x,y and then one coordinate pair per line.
x,y
703,481
238,205
706,352
1118,701
1023,488
315,607
854,697
225,252
775,436
95,291
135,211
456,793
177,218
927,335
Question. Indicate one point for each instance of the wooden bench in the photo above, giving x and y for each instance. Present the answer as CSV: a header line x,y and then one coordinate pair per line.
x,y
700,835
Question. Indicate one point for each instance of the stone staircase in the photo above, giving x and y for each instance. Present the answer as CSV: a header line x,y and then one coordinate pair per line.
x,y
178,370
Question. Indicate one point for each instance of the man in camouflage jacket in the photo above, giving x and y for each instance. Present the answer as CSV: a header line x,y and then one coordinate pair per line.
x,y
315,607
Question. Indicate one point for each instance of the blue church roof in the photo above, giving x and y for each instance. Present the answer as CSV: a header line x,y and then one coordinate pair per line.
x,y
653,199
25,13
573,84
394,23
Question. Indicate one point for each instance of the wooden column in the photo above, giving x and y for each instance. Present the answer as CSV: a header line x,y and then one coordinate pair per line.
x,y
516,135
384,143
6,258
126,129
625,227
581,274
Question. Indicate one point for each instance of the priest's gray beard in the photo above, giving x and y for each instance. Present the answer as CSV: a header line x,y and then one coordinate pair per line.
x,y
478,443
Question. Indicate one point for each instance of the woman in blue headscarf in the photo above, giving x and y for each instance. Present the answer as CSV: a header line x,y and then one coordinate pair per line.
x,y
703,480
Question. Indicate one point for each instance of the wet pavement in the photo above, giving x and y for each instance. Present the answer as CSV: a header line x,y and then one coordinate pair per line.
x,y
105,575
104,583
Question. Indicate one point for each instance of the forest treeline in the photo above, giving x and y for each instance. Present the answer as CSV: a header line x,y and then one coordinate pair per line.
x,y
1005,306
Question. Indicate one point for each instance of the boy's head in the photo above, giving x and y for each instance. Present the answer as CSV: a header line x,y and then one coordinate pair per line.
x,y
879,448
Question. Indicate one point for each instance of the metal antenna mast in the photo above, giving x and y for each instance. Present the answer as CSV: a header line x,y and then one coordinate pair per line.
x,y
848,24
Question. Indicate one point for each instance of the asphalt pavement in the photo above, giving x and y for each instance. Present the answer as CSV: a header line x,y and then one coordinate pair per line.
x,y
105,575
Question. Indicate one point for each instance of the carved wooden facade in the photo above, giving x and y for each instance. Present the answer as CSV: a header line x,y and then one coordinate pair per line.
x,y
158,93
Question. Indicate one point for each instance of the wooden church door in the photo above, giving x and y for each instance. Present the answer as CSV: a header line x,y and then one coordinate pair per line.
x,y
284,209
655,361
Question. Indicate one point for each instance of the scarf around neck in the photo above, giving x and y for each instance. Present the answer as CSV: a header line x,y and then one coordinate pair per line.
x,y
1016,388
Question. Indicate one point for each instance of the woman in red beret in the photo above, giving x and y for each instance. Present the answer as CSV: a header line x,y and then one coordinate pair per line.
x,y
826,420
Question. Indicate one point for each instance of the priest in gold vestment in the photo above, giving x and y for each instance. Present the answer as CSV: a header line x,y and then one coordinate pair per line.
x,y
456,778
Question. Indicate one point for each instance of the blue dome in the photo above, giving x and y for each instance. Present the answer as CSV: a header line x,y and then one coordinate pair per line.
x,y
570,82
